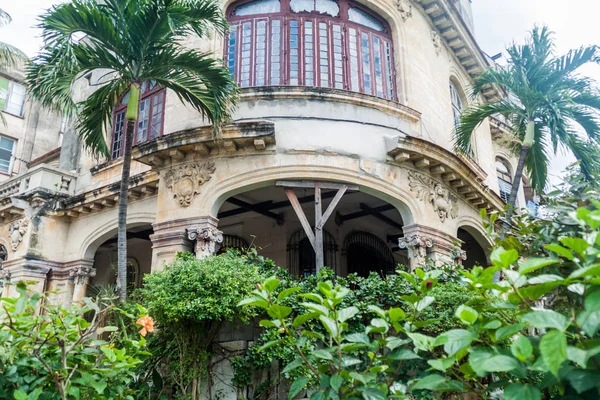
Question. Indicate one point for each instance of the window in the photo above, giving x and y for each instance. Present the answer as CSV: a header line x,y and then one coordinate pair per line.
x,y
457,104
301,255
504,179
150,118
12,97
318,43
366,253
7,147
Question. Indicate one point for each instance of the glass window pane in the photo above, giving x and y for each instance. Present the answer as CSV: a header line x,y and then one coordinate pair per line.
x,y
329,7
275,52
246,44
366,63
260,53
362,18
323,54
338,65
6,152
118,134
232,49
142,124
389,68
16,99
294,44
377,64
157,115
258,7
309,54
354,78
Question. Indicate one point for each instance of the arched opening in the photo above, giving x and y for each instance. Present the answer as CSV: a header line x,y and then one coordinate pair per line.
x,y
301,255
232,242
139,260
266,215
3,253
457,103
338,44
476,254
366,253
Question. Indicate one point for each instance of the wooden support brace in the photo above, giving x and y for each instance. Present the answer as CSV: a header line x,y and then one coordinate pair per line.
x,y
300,213
332,206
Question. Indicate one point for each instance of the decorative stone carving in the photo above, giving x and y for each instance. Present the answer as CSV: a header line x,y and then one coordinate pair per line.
x,y
459,255
185,181
81,274
437,42
405,8
444,203
17,231
5,276
206,240
417,246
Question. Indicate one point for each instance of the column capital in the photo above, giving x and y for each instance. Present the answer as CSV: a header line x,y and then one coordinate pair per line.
x,y
81,274
5,275
206,239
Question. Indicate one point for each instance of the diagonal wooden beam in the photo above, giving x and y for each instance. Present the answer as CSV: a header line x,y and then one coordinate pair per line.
x,y
291,195
381,217
319,259
254,208
360,214
332,206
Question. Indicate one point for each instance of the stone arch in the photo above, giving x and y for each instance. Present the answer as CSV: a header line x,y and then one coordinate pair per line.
x,y
404,202
105,231
474,228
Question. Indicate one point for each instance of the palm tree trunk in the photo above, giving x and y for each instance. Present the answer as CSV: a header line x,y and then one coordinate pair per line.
x,y
518,177
122,216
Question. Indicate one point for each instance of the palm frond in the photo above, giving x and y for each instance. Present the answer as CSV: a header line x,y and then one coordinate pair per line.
x,y
536,162
10,56
5,18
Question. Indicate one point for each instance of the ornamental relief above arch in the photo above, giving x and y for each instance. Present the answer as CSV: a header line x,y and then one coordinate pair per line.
x,y
444,203
185,181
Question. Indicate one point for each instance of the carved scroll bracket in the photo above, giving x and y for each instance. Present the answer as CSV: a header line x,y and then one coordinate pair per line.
x,y
437,42
206,240
405,8
17,231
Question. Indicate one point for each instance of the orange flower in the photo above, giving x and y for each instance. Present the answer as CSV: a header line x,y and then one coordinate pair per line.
x,y
147,324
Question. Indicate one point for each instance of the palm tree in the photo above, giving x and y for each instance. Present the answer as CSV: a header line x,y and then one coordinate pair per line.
x,y
128,42
546,99
10,56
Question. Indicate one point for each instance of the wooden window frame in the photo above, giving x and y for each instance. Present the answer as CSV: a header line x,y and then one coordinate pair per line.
x,y
122,108
285,16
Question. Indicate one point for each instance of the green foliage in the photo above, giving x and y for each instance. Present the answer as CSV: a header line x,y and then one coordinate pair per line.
x,y
47,352
190,300
491,335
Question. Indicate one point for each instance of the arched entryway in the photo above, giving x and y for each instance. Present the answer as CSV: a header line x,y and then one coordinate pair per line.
x,y
269,220
476,253
139,260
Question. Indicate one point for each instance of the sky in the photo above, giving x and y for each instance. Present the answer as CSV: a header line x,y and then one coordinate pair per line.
x,y
497,24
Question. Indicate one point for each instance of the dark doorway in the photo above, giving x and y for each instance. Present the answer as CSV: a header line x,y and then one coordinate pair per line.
x,y
366,253
476,255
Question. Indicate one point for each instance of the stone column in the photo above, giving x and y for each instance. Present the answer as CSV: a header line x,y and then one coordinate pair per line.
x,y
205,236
81,275
424,243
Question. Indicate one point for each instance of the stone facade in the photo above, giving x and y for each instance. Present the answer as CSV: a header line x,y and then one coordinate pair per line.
x,y
190,192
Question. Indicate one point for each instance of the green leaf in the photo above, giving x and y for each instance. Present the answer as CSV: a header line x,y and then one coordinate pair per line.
x,y
297,386
553,348
293,365
522,392
350,361
377,311
533,264
441,364
279,312
271,284
396,314
35,395
578,245
504,258
322,354
476,359
577,355
421,341
508,331
99,386
373,394
336,382
466,314
288,292
329,324
592,301
495,324
424,303
302,319
536,280
559,250
358,337
402,354
430,382
269,344
20,395
458,339
593,270
500,363
347,313
312,297
589,321
254,301
270,324
546,319
582,381
522,348
109,353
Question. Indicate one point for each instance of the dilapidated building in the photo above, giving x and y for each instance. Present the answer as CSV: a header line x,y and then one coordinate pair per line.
x,y
343,136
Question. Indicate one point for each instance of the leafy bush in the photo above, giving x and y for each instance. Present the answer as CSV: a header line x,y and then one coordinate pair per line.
x,y
503,339
190,300
47,352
